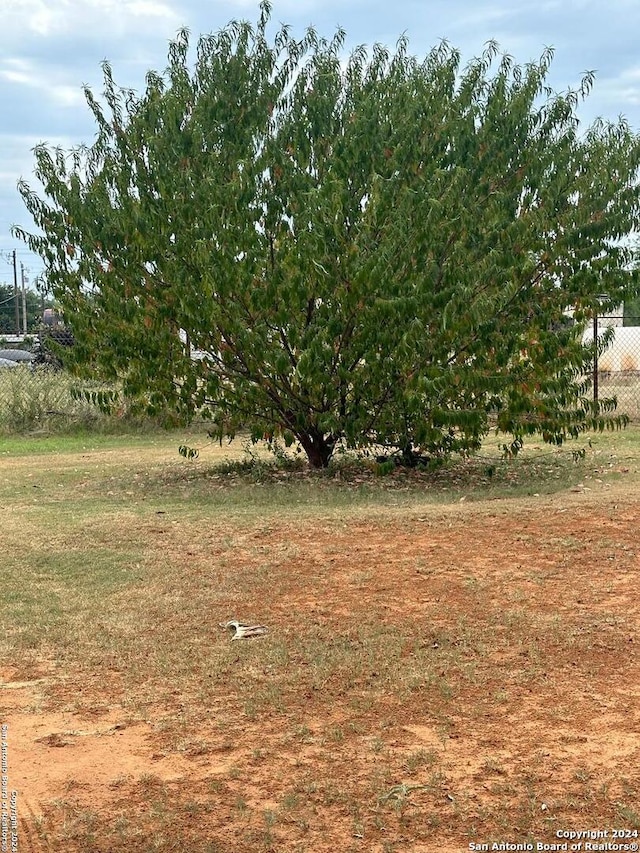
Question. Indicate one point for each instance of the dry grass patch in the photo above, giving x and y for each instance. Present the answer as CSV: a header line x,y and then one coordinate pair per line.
x,y
435,673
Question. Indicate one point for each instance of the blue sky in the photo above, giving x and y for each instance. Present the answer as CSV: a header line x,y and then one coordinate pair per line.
x,y
50,48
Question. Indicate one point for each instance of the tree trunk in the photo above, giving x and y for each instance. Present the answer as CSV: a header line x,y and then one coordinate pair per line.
x,y
319,449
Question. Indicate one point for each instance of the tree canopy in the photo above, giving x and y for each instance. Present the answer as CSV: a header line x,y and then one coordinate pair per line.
x,y
372,250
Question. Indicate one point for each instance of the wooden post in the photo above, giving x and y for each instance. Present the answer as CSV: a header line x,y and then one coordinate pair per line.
x,y
595,358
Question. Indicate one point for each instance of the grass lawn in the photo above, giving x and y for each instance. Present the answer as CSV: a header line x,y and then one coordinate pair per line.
x,y
452,656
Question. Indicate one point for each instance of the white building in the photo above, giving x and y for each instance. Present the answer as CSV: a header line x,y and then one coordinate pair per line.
x,y
623,354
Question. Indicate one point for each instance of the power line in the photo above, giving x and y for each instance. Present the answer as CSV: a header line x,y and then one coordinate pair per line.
x,y
22,252
36,262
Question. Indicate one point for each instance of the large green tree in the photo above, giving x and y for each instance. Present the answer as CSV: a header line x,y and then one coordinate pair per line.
x,y
377,250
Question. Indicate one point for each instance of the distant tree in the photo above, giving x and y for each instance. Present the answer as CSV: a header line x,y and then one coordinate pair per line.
x,y
632,312
377,252
7,309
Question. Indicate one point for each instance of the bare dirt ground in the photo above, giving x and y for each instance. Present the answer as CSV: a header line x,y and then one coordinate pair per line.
x,y
434,677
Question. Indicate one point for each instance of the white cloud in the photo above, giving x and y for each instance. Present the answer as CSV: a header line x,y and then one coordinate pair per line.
x,y
38,16
15,76
15,70
51,18
619,93
24,72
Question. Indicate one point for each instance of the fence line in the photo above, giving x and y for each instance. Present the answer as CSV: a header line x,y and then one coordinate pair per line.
x,y
616,371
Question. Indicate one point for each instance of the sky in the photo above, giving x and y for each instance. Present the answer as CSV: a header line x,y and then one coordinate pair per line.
x,y
50,49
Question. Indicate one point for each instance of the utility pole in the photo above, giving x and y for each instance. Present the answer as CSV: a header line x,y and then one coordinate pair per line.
x,y
24,301
15,292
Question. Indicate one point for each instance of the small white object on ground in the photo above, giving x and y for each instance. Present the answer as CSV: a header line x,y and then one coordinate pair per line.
x,y
244,631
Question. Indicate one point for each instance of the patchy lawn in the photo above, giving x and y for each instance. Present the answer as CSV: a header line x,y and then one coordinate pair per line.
x,y
452,656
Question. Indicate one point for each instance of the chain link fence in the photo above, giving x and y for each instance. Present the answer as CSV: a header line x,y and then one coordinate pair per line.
x,y
48,398
616,371
45,400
